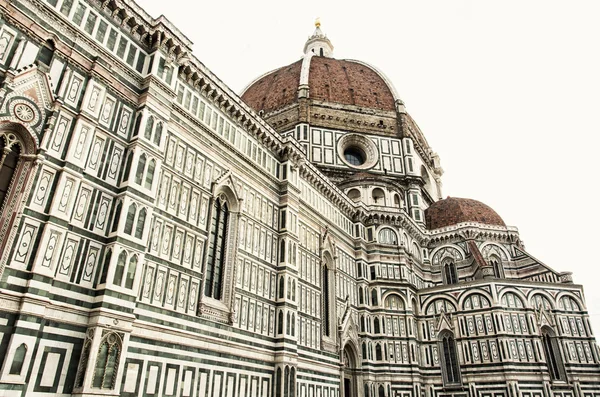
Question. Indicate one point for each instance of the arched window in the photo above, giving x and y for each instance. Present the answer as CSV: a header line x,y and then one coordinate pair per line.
x,y
553,356
387,236
130,218
278,383
376,326
117,217
450,276
141,221
120,269
18,360
378,196
288,325
127,166
107,362
9,158
107,258
139,173
293,325
46,53
282,251
354,195
374,300
497,266
131,272
136,128
381,392
150,174
158,133
281,287
293,382
286,381
149,128
280,323
217,243
364,351
450,368
326,308
378,352
394,302
397,201
361,296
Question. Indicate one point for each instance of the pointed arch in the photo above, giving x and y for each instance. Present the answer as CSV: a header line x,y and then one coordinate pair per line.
x,y
107,258
216,249
18,149
131,268
107,362
130,219
449,272
149,128
158,133
136,128
552,352
139,173
120,268
449,358
117,217
150,174
16,367
141,222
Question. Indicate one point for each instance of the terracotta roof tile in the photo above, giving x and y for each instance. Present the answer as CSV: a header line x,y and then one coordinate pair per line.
x,y
454,210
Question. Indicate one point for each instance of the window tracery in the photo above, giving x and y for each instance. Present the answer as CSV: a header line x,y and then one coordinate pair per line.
x,y
107,362
450,365
217,244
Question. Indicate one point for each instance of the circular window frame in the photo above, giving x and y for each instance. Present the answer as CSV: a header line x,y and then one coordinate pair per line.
x,y
361,143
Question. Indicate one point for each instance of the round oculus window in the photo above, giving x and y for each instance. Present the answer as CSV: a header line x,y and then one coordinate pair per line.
x,y
357,151
354,156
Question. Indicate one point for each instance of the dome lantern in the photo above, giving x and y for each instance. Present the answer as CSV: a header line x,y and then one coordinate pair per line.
x,y
318,44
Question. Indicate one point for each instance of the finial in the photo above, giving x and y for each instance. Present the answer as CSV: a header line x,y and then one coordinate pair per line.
x,y
318,22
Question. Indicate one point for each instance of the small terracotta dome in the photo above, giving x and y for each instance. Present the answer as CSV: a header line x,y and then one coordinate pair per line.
x,y
329,80
454,210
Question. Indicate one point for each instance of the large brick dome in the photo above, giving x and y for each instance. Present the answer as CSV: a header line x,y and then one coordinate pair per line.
x,y
331,80
454,210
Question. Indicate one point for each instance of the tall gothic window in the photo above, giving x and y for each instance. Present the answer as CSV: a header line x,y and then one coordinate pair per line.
x,y
117,217
450,368
139,174
9,157
497,266
217,244
326,313
130,218
149,128
18,360
120,269
141,222
158,133
450,275
150,174
130,276
553,356
107,362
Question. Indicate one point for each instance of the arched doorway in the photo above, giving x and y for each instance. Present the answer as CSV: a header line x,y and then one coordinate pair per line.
x,y
349,372
17,164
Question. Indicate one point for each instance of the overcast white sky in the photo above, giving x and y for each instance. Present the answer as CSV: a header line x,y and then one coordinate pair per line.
x,y
506,92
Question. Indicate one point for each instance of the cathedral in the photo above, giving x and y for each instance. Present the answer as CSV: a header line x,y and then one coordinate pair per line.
x,y
162,235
